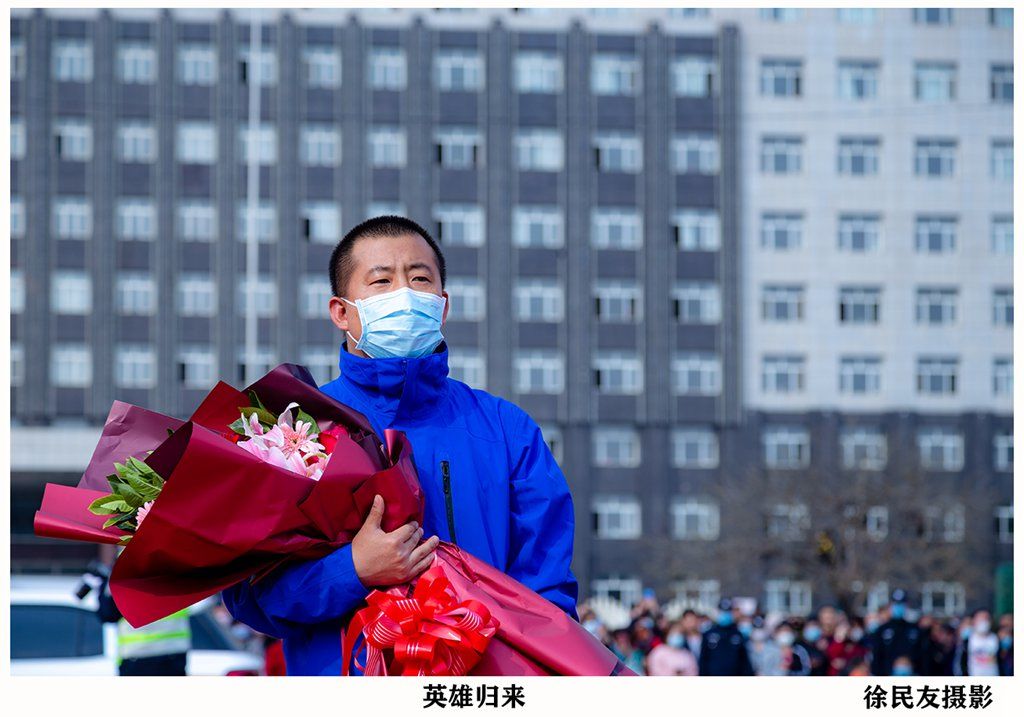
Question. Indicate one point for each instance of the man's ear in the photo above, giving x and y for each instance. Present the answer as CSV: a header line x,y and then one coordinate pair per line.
x,y
338,310
447,305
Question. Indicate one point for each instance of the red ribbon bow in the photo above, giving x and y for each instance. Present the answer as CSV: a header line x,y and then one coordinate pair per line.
x,y
429,633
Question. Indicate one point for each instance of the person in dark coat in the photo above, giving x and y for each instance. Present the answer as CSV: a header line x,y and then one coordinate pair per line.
x,y
897,637
723,649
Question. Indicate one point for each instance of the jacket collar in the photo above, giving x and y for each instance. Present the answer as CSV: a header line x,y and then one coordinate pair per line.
x,y
397,389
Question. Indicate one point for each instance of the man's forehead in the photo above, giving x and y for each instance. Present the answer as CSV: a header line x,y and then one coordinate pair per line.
x,y
392,251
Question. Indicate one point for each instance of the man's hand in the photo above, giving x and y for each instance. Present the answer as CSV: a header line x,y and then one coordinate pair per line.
x,y
383,559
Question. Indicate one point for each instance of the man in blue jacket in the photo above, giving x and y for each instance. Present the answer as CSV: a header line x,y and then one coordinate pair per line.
x,y
491,484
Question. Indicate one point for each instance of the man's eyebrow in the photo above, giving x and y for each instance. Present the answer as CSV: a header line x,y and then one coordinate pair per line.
x,y
380,269
418,265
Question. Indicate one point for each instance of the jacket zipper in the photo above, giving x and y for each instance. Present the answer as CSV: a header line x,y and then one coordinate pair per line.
x,y
446,482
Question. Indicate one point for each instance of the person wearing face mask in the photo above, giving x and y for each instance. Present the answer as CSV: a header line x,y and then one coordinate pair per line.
x,y
723,649
902,667
897,637
491,484
814,642
783,655
1006,650
843,650
982,647
671,657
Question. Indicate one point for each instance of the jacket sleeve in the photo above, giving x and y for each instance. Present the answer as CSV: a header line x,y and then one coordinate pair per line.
x,y
298,595
542,519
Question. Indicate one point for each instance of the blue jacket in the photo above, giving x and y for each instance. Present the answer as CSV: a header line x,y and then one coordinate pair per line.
x,y
491,486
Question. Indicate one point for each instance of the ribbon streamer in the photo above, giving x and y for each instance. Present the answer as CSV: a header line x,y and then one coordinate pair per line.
x,y
428,633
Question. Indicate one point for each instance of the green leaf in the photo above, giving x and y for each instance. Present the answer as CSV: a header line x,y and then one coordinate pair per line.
x,y
113,521
125,539
170,432
303,416
265,417
109,504
256,400
238,426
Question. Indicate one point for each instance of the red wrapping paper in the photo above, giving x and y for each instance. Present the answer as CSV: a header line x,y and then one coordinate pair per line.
x,y
224,516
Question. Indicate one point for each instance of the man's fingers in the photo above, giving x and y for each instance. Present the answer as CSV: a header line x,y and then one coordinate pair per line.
x,y
424,550
373,518
414,538
421,565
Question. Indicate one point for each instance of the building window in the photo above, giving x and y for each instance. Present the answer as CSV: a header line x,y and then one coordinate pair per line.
x,y
943,599
135,367
1002,377
694,448
782,302
322,364
1002,307
934,157
1002,447
944,524
18,145
17,217
859,233
935,81
73,218
538,226
625,591
697,302
71,293
614,75
136,142
786,447
539,300
323,67
319,145
782,231
787,597
696,374
74,140
783,374
618,153
197,367
858,79
553,437
858,156
468,366
197,220
17,58
937,376
780,14
197,295
1000,16
616,302
136,63
1002,235
458,71
933,16
261,69
386,69
1004,524
694,519
314,294
460,224
860,375
265,138
387,147
781,78
699,595
263,294
695,154
540,372
466,299
383,209
697,230
936,305
539,150
693,76
1001,83
196,143
72,61
71,366
614,228
618,373
935,234
17,364
616,517
135,294
860,305
781,155
865,449
458,148
940,449
539,72
197,64
136,219
876,522
615,447
17,291
321,222
1001,165
787,521
264,221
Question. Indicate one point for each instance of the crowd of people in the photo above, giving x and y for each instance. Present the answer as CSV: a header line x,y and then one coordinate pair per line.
x,y
895,640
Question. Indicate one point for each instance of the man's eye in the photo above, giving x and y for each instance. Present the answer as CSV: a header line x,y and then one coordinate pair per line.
x,y
381,281
421,278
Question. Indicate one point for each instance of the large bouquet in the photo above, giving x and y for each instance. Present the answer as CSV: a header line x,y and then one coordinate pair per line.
x,y
282,472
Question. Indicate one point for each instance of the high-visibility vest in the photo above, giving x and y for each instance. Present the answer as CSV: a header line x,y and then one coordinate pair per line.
x,y
168,636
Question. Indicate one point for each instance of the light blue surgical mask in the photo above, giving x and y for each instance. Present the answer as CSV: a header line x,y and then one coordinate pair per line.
x,y
898,610
811,634
745,628
399,324
902,670
725,618
675,640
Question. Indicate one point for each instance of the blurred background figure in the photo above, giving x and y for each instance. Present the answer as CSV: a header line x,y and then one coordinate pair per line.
x,y
896,637
723,650
843,650
982,647
672,657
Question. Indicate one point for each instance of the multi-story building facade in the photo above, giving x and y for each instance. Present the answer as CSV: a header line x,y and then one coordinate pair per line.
x,y
631,257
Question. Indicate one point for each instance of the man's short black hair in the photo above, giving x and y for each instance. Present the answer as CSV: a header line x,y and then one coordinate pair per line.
x,y
377,227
